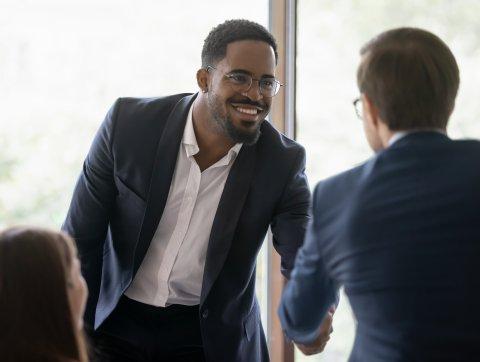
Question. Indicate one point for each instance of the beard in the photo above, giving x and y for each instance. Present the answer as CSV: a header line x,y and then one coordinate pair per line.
x,y
225,124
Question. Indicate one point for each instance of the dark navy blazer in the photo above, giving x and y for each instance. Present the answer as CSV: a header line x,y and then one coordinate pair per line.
x,y
401,233
120,196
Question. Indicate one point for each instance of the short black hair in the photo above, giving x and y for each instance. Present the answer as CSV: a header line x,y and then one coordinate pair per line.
x,y
215,44
412,78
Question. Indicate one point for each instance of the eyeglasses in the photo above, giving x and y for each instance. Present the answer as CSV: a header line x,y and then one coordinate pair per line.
x,y
357,103
242,82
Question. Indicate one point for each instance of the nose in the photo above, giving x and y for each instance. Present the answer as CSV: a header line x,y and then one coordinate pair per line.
x,y
254,92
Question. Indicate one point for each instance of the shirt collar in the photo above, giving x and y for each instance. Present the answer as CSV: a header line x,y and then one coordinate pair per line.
x,y
189,141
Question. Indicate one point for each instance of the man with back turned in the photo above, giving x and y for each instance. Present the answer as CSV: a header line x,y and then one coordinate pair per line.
x,y
400,232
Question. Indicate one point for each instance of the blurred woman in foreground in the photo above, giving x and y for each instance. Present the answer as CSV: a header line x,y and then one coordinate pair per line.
x,y
42,297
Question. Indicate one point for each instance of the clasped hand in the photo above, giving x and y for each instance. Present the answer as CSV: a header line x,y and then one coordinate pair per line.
x,y
318,345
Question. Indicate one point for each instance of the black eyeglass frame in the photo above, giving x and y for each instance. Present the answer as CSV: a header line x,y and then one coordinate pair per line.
x,y
357,103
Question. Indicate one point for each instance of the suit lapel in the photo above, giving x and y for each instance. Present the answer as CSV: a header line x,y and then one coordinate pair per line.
x,y
164,166
228,212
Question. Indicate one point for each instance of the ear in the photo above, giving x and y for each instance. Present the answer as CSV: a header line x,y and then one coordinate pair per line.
x,y
370,111
202,80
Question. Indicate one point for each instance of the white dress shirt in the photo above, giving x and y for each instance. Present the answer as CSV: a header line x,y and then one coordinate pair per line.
x,y
172,270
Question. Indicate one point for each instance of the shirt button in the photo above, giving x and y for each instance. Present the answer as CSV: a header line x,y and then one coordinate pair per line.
x,y
205,314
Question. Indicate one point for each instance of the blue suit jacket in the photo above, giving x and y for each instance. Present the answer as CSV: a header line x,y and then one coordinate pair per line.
x,y
401,233
120,196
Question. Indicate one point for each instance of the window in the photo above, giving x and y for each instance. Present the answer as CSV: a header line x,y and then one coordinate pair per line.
x,y
62,66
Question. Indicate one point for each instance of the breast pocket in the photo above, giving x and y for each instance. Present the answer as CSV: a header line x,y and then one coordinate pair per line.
x,y
126,193
129,206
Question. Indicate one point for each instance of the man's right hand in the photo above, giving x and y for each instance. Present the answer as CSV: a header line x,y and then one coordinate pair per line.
x,y
318,345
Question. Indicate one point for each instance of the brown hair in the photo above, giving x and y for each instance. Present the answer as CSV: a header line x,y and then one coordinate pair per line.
x,y
36,322
412,78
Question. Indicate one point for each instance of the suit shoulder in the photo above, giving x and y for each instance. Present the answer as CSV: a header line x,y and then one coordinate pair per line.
x,y
466,156
143,114
138,106
272,139
468,144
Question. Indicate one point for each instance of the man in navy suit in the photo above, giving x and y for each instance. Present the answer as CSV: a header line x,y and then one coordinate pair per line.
x,y
400,232
173,204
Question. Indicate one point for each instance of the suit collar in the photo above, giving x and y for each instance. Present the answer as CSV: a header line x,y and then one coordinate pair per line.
x,y
418,137
400,134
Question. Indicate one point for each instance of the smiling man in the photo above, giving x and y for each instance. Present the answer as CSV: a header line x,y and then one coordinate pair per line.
x,y
173,204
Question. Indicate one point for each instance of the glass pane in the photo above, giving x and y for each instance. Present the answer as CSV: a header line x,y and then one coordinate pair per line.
x,y
330,34
262,284
63,64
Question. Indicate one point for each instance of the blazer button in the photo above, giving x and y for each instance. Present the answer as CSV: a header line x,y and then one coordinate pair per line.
x,y
205,313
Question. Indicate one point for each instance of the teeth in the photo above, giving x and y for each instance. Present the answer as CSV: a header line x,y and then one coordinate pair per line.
x,y
246,110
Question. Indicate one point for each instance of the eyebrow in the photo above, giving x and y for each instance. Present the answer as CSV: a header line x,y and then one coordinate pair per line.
x,y
243,71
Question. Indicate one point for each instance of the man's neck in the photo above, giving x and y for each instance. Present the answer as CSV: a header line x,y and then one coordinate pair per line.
x,y
212,144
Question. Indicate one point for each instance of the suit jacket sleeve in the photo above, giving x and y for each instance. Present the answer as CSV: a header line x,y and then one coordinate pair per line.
x,y
292,214
310,291
88,216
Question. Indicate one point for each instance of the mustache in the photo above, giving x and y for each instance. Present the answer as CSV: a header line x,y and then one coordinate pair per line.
x,y
249,102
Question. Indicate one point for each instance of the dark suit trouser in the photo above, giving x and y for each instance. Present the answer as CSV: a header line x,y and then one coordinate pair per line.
x,y
139,332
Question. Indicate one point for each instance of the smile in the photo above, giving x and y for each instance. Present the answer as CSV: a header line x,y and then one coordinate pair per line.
x,y
247,109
